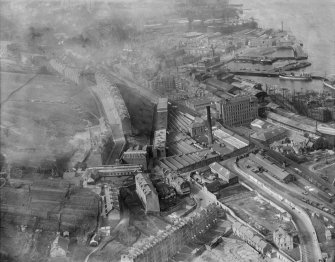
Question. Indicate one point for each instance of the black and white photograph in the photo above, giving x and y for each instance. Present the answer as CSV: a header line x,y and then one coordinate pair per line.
x,y
167,130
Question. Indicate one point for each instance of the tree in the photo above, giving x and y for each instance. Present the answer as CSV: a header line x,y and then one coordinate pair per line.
x,y
321,143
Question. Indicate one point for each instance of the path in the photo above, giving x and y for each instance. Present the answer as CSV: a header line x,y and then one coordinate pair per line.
x,y
17,90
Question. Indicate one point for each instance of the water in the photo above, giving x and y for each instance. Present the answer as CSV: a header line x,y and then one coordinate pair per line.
x,y
312,22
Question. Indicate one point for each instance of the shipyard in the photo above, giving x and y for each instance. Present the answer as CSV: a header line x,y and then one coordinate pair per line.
x,y
183,130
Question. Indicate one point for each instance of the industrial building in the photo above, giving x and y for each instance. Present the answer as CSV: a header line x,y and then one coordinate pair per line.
x,y
239,110
272,169
161,120
147,193
229,138
198,127
270,135
188,162
136,155
198,103
223,173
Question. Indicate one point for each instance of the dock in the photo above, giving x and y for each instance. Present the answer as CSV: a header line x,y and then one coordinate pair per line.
x,y
267,74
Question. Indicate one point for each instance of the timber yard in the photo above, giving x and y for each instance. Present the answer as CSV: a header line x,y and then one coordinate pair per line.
x,y
143,131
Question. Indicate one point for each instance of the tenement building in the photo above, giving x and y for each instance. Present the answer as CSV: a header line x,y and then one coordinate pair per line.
x,y
238,111
147,193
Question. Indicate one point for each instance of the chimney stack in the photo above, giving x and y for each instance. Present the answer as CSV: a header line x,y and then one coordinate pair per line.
x,y
209,122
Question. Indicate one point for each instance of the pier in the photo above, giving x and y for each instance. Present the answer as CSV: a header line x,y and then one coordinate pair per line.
x,y
267,74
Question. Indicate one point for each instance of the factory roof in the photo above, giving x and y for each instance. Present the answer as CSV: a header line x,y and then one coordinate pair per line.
x,y
230,138
259,124
145,183
199,101
220,85
221,171
160,138
178,162
275,170
162,104
268,134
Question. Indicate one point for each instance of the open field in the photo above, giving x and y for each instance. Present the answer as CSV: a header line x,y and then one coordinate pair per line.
x,y
46,119
256,209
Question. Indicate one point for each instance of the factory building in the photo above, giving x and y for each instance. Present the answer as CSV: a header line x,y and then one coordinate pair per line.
x,y
147,193
223,173
188,162
270,135
238,111
322,114
272,169
198,103
161,119
198,127
136,155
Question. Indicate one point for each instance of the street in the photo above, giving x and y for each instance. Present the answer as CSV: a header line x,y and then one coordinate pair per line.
x,y
309,245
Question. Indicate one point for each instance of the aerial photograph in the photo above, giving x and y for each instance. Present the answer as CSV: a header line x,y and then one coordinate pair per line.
x,y
167,130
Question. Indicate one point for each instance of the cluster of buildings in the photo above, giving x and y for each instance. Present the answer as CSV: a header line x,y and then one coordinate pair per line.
x,y
169,241
252,238
50,205
316,106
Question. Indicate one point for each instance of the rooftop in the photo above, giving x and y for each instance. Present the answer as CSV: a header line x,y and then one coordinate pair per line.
x,y
178,162
267,134
145,183
270,166
230,138
162,104
221,171
160,138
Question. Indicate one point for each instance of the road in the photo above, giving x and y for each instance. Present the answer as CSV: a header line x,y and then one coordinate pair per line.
x,y
278,158
309,243
294,190
123,224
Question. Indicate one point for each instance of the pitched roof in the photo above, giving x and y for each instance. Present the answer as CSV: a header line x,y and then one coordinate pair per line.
x,y
267,134
221,171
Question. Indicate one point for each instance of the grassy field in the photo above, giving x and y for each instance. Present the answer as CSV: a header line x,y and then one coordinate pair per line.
x,y
44,119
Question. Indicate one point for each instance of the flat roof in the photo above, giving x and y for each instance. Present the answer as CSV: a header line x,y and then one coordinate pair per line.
x,y
162,104
267,134
270,166
177,162
231,139
160,138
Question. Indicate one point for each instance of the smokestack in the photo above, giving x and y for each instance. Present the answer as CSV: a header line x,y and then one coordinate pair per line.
x,y
209,121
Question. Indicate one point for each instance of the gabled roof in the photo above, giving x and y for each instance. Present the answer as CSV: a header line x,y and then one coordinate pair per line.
x,y
269,133
221,171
